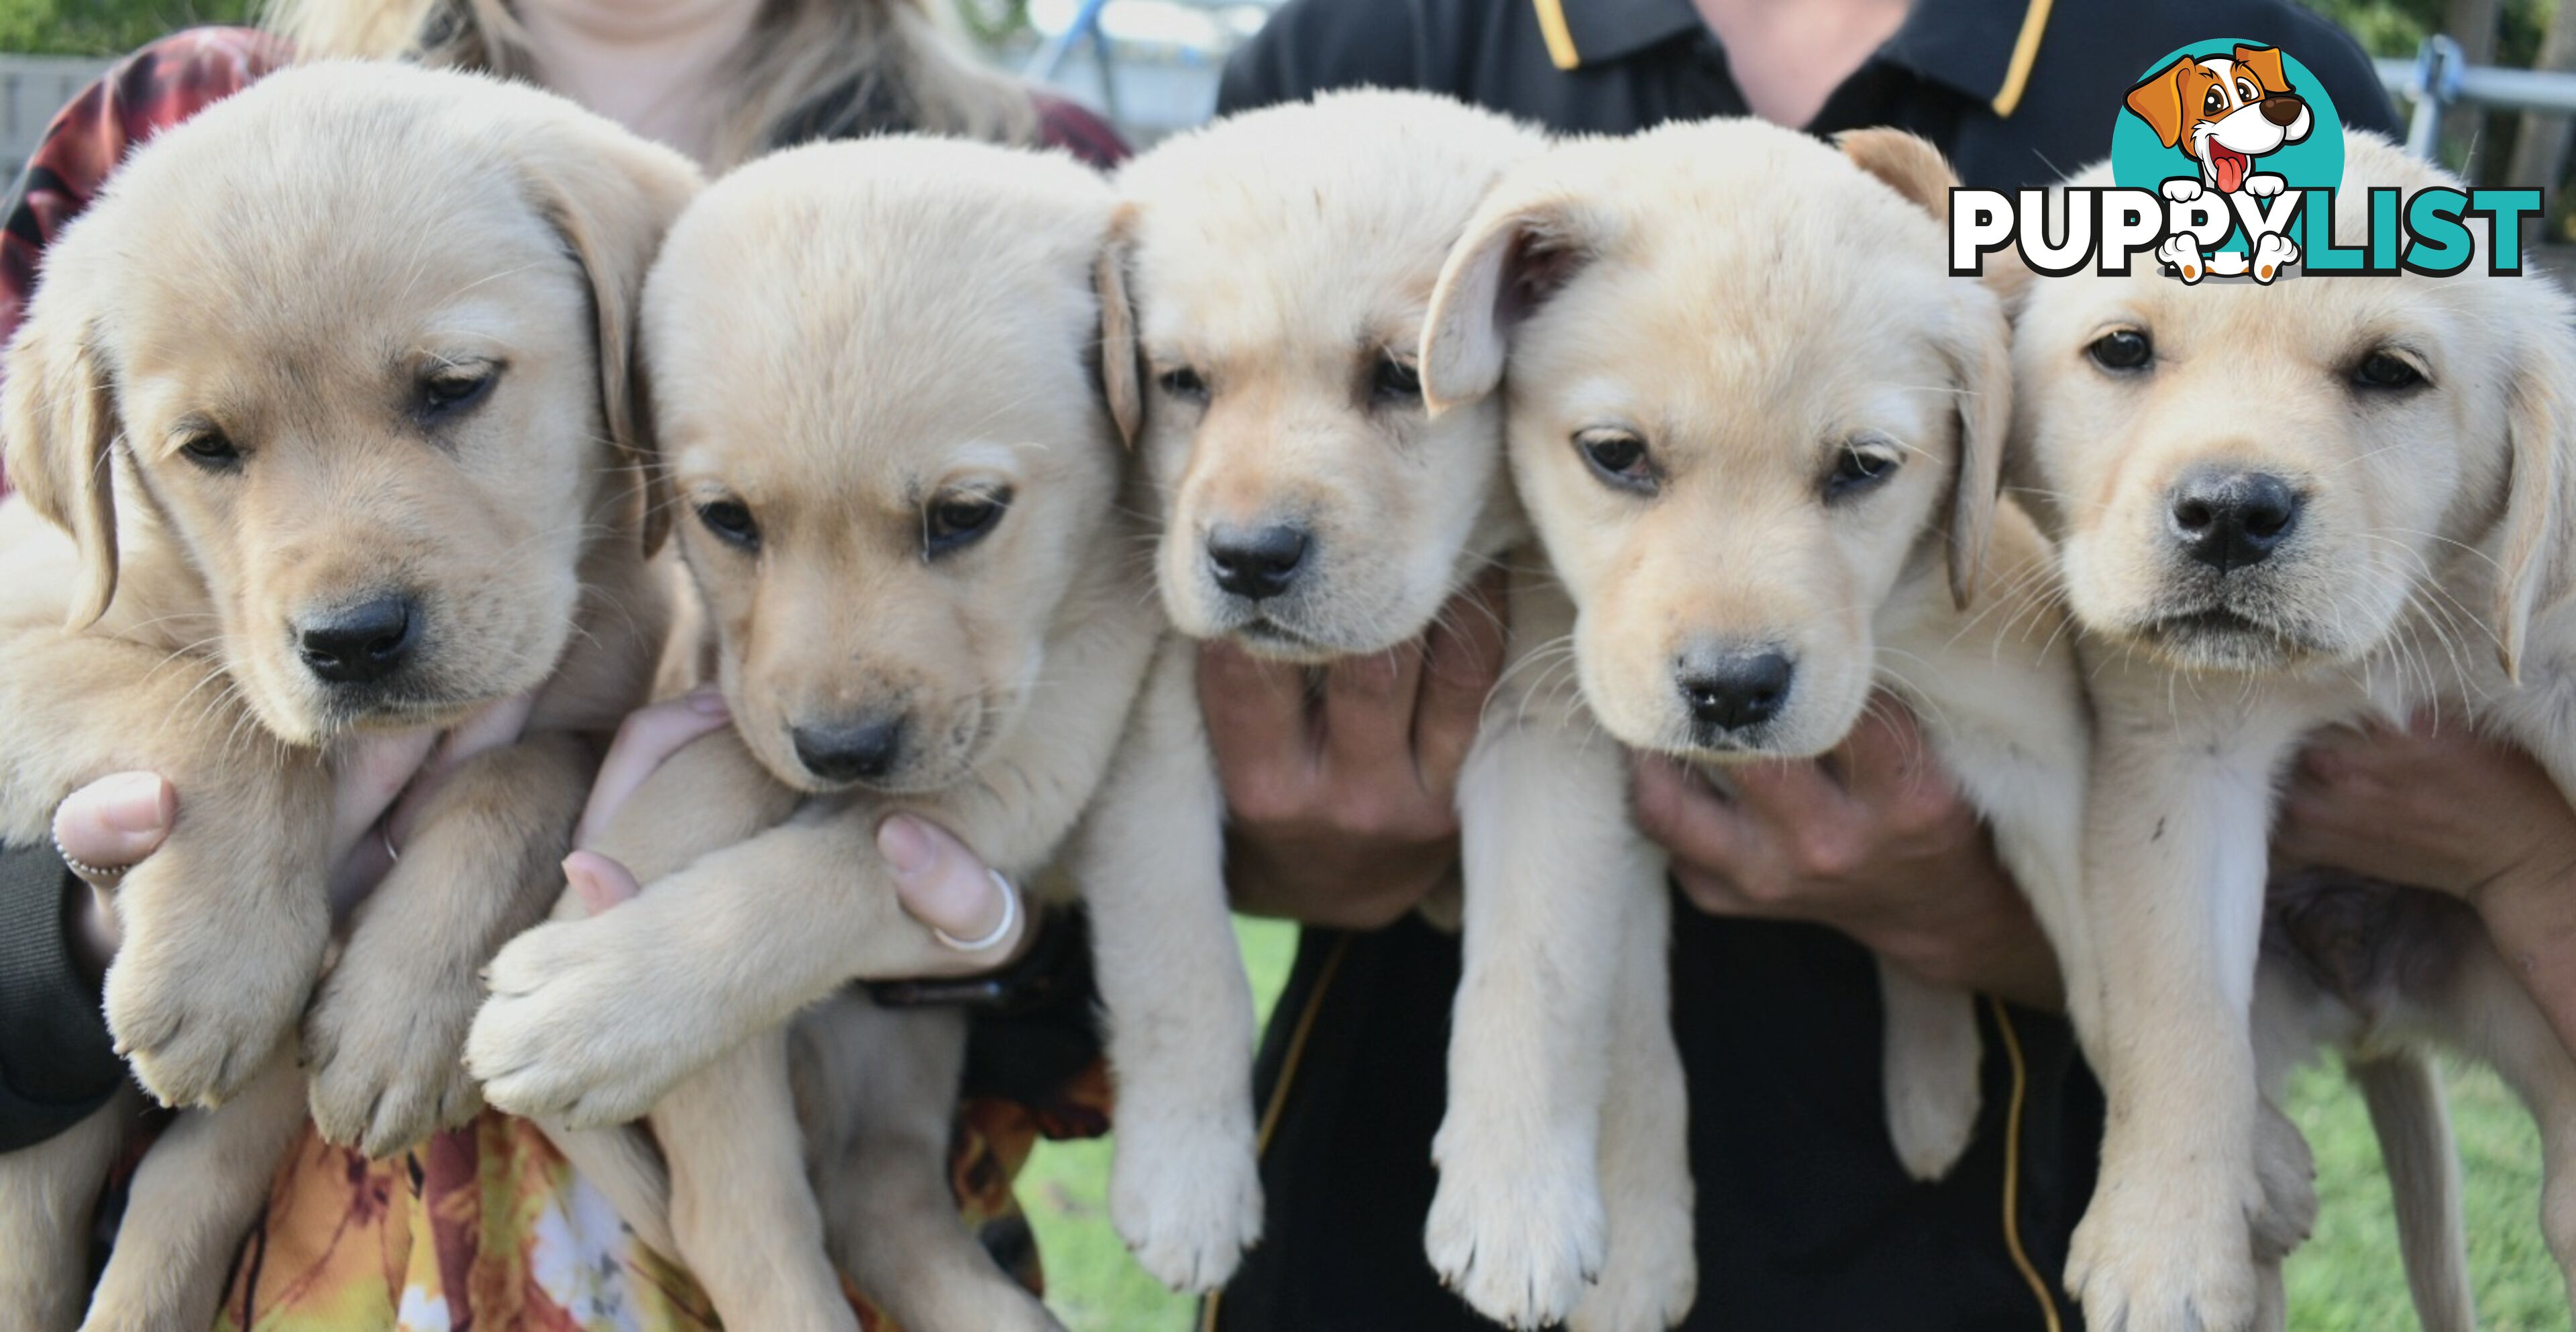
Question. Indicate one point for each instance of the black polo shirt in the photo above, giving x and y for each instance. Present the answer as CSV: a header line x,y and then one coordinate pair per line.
x,y
1804,1218
2016,93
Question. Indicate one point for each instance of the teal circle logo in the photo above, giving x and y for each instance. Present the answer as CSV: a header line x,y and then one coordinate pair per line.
x,y
2226,117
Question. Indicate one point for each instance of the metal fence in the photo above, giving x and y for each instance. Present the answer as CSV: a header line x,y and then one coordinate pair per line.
x,y
2440,77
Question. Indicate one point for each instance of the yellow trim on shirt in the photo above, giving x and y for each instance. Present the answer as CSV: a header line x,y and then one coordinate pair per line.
x,y
2034,21
1560,39
2012,1149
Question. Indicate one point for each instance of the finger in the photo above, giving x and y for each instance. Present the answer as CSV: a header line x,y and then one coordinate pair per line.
x,y
1462,659
601,882
115,821
1789,797
373,770
1255,710
945,886
647,738
1701,830
1368,712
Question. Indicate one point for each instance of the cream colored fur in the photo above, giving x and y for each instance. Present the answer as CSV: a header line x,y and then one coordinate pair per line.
x,y
1282,265
2427,567
846,343
1738,367
291,269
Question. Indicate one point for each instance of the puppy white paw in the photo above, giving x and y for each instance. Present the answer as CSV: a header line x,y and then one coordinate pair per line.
x,y
1186,1196
581,1026
2153,1255
1652,1276
1518,1234
386,1053
2180,189
2264,185
195,1034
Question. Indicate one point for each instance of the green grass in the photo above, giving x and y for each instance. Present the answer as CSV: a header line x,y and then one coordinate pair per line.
x,y
2347,1278
1091,1282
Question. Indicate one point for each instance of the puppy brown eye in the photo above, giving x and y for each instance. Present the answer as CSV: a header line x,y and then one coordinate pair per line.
x,y
1185,383
1620,459
953,522
731,523
1857,469
2213,103
1395,383
452,391
2122,349
2386,371
211,450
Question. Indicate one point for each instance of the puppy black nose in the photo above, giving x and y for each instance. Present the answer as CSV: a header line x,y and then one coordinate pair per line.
x,y
850,752
361,643
2282,108
1735,691
1255,562
2228,520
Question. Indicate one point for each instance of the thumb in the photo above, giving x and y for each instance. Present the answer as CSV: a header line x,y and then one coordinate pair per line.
x,y
115,821
601,882
944,886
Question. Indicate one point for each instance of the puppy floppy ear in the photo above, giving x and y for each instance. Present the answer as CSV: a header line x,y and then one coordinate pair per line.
x,y
610,196
2533,570
1121,379
1906,163
1512,258
2158,101
1980,359
2265,61
58,410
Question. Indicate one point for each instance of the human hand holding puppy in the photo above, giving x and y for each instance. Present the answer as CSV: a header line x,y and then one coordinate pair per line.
x,y
1874,840
2437,806
939,881
114,823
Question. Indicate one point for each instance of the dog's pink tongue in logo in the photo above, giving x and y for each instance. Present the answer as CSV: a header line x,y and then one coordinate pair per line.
x,y
2228,165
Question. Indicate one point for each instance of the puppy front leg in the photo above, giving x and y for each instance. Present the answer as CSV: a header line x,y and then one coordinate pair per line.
x,y
742,1213
47,1194
1552,868
194,1196
592,1021
387,1031
2174,870
1185,1186
885,1105
224,925
1653,1270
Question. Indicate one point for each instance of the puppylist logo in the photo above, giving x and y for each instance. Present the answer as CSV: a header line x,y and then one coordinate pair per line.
x,y
2225,160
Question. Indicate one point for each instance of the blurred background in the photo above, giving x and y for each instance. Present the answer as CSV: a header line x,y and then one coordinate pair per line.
x,y
2503,78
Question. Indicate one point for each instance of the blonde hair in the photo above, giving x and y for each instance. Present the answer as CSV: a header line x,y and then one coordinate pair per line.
x,y
808,69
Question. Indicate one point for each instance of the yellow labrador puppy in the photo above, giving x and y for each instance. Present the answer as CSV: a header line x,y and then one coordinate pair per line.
x,y
893,400
879,544
2388,531
1282,264
324,429
1763,456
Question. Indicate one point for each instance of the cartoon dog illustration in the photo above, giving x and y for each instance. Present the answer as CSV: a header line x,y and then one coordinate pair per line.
x,y
2224,112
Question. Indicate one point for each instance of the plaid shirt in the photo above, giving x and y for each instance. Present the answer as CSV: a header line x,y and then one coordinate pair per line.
x,y
173,78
